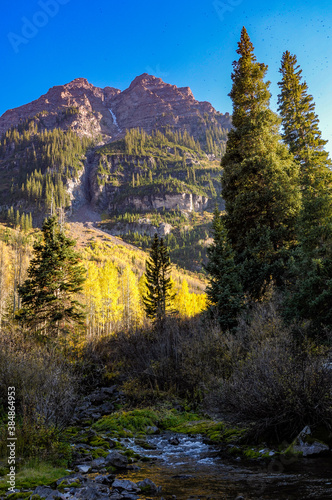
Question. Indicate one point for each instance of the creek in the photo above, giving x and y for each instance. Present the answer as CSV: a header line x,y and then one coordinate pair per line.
x,y
195,470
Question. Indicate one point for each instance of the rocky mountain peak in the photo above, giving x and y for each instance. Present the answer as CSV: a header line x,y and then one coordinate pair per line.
x,y
157,85
144,80
147,103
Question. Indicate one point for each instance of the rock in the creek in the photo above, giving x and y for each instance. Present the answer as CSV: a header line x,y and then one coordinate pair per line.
x,y
83,468
90,493
117,460
152,429
108,479
116,496
148,486
124,484
174,440
111,442
307,445
68,480
47,492
132,467
98,463
144,444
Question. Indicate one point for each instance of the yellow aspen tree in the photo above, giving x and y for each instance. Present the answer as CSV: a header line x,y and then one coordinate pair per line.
x,y
111,308
130,298
198,303
5,273
92,296
182,300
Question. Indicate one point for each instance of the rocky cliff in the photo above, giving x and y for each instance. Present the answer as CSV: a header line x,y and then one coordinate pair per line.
x,y
148,103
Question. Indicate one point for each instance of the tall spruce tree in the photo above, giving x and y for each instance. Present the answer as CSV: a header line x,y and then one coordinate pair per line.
x,y
49,307
224,291
159,297
260,179
311,295
301,133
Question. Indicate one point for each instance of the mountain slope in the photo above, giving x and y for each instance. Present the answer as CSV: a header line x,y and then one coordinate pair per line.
x,y
146,152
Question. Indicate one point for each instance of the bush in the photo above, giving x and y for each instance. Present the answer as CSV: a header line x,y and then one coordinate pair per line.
x,y
181,358
278,385
44,392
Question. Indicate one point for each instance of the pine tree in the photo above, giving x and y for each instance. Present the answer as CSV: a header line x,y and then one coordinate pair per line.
x,y
260,179
310,296
49,307
224,291
297,109
159,297
302,135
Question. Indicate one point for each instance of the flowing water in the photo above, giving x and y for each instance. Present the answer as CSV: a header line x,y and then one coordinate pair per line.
x,y
194,470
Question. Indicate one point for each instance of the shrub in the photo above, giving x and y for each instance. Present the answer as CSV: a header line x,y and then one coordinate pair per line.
x,y
278,385
44,394
181,358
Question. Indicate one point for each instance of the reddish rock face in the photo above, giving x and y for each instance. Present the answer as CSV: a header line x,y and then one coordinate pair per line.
x,y
148,103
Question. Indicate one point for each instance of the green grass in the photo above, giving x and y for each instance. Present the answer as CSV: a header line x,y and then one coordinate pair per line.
x,y
135,422
35,474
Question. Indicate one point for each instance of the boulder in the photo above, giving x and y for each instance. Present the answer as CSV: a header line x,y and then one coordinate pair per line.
x,y
124,484
108,479
74,478
148,486
117,460
90,493
98,463
83,468
47,492
152,429
307,445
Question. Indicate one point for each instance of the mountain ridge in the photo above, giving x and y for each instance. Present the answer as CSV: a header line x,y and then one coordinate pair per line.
x,y
148,103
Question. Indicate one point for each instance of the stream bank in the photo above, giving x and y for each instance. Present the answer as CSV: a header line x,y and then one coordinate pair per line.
x,y
138,454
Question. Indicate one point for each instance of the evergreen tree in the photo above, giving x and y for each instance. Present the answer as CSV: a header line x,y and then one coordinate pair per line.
x,y
54,277
311,294
159,297
224,291
297,109
260,179
302,134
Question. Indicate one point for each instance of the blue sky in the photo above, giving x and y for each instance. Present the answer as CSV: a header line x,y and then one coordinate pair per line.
x,y
185,42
